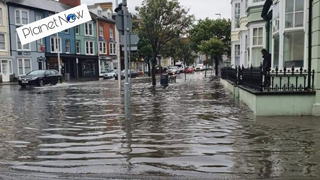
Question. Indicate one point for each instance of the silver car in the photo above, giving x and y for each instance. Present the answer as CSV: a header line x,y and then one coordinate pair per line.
x,y
110,74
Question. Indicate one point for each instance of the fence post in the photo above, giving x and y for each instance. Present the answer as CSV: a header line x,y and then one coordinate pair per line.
x,y
251,68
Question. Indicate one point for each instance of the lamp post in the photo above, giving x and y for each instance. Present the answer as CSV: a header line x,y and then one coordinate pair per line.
x,y
218,14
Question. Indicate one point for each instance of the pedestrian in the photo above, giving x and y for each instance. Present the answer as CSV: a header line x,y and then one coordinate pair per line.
x,y
266,67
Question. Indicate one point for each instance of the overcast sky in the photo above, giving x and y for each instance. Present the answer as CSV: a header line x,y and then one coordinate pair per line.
x,y
200,8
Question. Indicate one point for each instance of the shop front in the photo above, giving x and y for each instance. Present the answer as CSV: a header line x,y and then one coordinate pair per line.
x,y
68,64
88,66
105,65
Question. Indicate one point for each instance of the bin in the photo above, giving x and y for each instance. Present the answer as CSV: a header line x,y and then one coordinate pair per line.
x,y
164,80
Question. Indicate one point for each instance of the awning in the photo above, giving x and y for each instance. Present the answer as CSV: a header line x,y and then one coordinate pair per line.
x,y
265,10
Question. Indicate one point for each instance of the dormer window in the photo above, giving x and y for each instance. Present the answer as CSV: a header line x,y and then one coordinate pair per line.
x,y
99,12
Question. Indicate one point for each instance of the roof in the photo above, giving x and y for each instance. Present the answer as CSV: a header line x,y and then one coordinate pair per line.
x,y
48,5
99,18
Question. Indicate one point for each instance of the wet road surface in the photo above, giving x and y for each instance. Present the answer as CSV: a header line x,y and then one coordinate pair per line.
x,y
192,129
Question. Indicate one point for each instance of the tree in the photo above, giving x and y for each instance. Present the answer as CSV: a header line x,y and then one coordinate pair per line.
x,y
213,48
160,22
206,29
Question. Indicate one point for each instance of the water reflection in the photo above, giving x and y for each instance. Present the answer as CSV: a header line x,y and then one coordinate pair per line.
x,y
192,128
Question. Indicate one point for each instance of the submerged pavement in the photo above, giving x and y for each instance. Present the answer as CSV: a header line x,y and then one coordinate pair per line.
x,y
193,129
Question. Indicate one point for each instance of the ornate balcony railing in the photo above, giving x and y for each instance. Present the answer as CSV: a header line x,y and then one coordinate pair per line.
x,y
285,80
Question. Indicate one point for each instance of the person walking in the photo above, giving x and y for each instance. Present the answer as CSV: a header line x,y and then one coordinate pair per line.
x,y
266,67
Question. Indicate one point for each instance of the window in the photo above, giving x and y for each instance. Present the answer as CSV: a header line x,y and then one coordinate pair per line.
x,y
55,44
88,29
22,17
102,48
77,29
39,44
2,41
25,47
293,52
101,30
275,18
237,15
24,66
237,55
294,13
1,17
109,15
276,50
257,37
38,17
112,48
78,47
67,45
256,1
90,47
99,12
111,33
66,31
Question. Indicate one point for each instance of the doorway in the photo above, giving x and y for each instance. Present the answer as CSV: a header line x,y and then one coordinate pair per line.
x,y
5,71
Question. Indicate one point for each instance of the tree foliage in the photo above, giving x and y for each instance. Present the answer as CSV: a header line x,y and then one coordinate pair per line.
x,y
161,21
206,29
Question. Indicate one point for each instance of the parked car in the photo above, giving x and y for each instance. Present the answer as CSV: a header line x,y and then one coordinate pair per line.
x,y
110,74
200,67
132,74
189,70
173,70
40,78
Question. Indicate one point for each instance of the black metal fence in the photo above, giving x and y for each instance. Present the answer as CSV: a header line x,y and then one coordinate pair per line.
x,y
294,79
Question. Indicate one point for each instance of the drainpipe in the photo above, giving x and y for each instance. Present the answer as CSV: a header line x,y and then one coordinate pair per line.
x,y
310,44
268,35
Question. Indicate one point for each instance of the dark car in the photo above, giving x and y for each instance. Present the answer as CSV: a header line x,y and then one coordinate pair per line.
x,y
40,78
134,74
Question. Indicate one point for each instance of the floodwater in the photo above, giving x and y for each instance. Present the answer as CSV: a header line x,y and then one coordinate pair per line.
x,y
193,128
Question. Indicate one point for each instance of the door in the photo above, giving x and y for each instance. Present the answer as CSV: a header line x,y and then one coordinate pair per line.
x,y
5,71
47,77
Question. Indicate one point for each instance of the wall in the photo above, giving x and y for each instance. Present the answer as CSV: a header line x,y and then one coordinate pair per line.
x,y
82,38
33,54
4,28
273,104
316,53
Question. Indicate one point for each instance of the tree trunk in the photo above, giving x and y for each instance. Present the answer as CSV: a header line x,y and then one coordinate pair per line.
x,y
207,62
149,69
154,83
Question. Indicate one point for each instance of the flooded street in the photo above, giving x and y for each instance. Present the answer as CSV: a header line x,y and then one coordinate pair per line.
x,y
193,129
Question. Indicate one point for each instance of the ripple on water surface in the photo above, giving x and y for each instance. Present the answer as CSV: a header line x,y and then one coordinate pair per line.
x,y
192,128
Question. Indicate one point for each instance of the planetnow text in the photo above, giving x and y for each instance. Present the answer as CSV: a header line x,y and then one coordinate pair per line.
x,y
54,24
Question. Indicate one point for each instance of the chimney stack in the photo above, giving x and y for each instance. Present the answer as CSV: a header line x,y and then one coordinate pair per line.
x,y
71,3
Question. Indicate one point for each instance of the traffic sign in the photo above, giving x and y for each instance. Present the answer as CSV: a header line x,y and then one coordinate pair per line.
x,y
134,39
119,22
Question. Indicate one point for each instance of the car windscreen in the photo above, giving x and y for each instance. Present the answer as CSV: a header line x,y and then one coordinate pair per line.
x,y
109,71
36,73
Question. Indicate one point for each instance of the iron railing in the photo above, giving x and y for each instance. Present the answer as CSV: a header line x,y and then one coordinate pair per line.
x,y
285,80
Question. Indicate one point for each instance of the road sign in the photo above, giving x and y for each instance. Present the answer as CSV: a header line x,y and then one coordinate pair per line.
x,y
119,22
134,39
133,48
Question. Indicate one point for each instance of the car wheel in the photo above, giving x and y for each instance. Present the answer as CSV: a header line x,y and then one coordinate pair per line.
x,y
56,82
60,80
41,83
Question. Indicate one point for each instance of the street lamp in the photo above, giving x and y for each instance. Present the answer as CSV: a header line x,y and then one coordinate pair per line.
x,y
218,14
